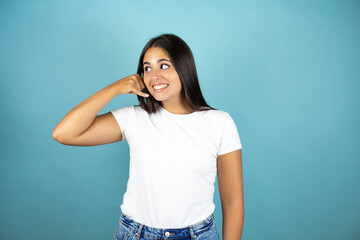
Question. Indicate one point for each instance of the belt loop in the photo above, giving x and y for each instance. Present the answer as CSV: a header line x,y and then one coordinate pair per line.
x,y
193,236
138,234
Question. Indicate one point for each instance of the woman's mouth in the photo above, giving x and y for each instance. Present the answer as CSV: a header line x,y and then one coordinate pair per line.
x,y
160,87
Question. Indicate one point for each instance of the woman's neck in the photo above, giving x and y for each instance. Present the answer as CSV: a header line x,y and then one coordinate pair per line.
x,y
180,107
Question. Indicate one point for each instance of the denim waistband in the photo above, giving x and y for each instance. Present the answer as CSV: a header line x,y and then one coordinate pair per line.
x,y
166,233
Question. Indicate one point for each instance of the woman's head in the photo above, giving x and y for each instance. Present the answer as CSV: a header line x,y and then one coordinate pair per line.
x,y
167,59
160,76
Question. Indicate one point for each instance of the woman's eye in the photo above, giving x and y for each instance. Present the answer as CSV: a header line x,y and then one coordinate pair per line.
x,y
167,66
161,66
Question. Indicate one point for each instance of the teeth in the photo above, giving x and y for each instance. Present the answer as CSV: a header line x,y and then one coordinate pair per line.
x,y
160,86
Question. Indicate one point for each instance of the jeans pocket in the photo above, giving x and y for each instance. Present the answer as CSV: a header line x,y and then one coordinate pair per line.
x,y
205,227
210,233
120,234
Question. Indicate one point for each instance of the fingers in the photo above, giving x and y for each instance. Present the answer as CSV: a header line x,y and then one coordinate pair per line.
x,y
140,93
138,85
140,81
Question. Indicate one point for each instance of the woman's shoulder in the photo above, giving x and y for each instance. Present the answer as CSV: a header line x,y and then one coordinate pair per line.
x,y
132,107
128,110
138,108
216,112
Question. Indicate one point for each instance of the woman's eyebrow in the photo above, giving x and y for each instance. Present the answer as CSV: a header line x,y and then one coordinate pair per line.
x,y
162,59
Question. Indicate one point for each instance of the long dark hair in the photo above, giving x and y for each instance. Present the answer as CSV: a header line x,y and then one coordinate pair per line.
x,y
183,60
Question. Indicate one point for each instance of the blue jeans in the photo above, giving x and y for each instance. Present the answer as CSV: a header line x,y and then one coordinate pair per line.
x,y
128,229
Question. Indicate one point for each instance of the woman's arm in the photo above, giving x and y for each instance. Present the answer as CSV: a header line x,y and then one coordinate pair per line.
x,y
82,126
230,181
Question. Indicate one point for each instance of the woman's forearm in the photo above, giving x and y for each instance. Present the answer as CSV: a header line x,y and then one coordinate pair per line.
x,y
81,116
233,221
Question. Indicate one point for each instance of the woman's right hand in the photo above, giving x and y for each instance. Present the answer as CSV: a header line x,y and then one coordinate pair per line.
x,y
131,84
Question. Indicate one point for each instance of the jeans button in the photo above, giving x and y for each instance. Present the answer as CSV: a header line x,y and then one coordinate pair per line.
x,y
167,234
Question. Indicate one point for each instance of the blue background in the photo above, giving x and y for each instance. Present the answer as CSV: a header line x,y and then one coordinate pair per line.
x,y
286,71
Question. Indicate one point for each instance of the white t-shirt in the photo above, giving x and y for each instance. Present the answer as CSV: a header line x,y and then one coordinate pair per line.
x,y
173,163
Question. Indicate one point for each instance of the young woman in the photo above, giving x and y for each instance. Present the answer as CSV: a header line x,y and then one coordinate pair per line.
x,y
177,146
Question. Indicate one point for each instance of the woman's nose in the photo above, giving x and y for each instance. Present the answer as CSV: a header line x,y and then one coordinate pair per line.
x,y
155,74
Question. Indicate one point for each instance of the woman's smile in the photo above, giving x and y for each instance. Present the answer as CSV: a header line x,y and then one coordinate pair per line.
x,y
160,87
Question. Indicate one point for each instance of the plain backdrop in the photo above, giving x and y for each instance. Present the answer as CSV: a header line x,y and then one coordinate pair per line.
x,y
286,71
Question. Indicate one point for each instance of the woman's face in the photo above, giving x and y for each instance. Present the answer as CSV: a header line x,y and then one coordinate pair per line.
x,y
160,76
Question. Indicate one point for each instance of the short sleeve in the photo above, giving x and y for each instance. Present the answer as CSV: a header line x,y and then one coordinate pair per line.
x,y
230,139
122,115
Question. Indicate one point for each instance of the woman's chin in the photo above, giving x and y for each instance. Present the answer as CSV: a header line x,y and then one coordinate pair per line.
x,y
159,98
